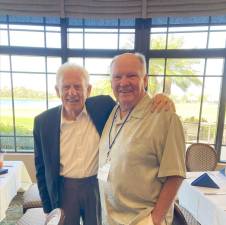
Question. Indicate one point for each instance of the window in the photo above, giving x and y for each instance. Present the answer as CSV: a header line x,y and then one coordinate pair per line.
x,y
186,59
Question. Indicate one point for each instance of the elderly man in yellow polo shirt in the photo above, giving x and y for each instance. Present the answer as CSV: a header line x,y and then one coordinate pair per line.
x,y
141,163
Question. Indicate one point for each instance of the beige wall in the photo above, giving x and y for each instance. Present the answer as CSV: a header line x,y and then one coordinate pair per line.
x,y
28,160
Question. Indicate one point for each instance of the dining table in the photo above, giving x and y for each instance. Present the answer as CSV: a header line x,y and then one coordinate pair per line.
x,y
207,205
16,179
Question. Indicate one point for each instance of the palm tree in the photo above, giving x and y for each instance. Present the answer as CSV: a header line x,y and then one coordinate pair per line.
x,y
181,72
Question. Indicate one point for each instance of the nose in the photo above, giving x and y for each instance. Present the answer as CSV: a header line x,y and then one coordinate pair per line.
x,y
72,91
124,81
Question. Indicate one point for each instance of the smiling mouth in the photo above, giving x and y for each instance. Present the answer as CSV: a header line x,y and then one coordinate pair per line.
x,y
72,101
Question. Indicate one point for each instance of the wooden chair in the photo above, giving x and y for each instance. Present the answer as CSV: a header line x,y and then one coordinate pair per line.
x,y
201,157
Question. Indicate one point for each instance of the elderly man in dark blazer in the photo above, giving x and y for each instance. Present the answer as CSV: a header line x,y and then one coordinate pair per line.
x,y
66,147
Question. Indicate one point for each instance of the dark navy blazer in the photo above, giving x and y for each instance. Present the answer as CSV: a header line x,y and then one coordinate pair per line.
x,y
47,146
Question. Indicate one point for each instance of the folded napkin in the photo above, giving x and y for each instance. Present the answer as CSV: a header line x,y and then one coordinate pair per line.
x,y
3,171
204,181
223,171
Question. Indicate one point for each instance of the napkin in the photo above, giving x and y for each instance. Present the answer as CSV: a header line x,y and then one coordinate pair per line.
x,y
204,181
3,171
223,171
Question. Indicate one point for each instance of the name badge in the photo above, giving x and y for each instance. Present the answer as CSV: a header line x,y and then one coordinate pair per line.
x,y
103,172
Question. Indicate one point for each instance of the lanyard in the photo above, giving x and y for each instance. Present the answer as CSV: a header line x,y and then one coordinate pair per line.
x,y
115,137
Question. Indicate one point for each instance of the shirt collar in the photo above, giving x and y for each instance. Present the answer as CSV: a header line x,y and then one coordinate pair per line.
x,y
138,112
64,121
141,108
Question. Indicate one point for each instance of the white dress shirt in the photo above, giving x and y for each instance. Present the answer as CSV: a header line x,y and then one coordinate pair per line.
x,y
79,141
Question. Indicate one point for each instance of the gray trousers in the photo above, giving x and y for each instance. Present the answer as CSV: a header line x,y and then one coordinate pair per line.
x,y
80,198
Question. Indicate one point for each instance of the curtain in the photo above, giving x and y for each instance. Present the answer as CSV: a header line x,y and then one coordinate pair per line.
x,y
112,9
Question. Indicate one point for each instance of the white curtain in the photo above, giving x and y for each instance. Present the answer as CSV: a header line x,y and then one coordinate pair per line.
x,y
112,9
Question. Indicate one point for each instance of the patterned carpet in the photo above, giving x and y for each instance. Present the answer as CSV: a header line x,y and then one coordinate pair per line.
x,y
14,211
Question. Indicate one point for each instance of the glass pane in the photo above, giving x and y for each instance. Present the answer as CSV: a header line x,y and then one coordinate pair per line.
x,y
221,28
49,40
210,109
6,112
26,27
3,37
76,60
52,96
224,134
29,99
187,40
179,29
217,40
53,63
185,67
156,66
100,85
223,147
158,41
4,63
7,144
101,41
28,63
158,29
27,38
25,144
97,65
155,84
223,153
126,41
215,67
53,29
186,94
75,40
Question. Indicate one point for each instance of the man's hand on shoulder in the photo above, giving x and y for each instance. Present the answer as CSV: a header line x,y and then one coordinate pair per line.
x,y
161,102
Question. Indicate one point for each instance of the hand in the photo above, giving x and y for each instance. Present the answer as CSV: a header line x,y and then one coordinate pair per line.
x,y
154,219
161,102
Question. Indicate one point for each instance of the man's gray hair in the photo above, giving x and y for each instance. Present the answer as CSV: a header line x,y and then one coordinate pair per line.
x,y
139,56
66,67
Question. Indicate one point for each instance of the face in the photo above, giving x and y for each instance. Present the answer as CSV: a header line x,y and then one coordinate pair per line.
x,y
73,91
128,81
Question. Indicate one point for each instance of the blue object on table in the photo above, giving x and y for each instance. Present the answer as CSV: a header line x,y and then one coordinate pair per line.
x,y
204,181
223,171
3,171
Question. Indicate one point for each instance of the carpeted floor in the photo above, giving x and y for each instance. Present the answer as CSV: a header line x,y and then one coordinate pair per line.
x,y
14,211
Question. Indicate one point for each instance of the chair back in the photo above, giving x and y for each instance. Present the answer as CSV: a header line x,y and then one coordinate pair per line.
x,y
55,217
178,217
201,157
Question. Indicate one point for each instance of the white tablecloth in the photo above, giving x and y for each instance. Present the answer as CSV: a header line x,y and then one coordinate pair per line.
x,y
17,179
207,205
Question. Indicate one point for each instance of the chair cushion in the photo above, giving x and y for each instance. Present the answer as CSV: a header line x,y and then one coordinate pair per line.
x,y
32,198
34,216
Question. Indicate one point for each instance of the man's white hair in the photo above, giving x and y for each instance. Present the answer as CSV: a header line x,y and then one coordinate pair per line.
x,y
66,67
139,56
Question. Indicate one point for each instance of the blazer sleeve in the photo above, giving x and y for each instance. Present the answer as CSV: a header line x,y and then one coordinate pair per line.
x,y
40,168
99,108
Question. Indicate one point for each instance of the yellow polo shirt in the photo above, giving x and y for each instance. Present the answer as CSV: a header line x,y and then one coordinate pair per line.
x,y
149,148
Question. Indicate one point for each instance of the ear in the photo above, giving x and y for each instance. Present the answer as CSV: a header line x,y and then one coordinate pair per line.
x,y
57,91
145,82
89,88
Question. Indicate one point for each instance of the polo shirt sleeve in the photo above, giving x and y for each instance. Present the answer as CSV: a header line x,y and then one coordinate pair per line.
x,y
172,162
